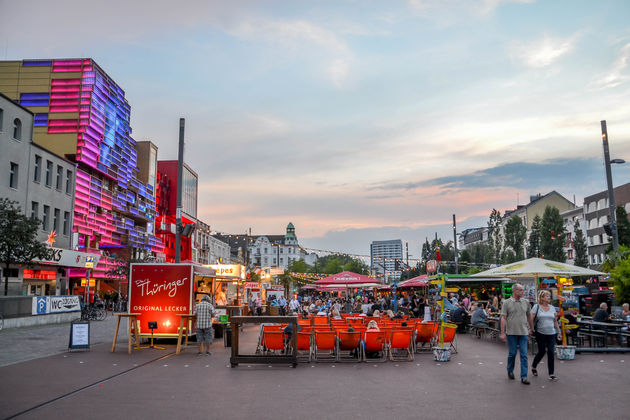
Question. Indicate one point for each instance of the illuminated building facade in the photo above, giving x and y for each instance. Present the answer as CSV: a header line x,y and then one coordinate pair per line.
x,y
166,198
81,114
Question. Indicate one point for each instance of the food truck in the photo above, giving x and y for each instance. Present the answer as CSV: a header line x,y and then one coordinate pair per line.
x,y
159,292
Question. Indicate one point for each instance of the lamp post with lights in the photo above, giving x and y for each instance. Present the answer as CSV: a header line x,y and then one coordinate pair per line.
x,y
611,194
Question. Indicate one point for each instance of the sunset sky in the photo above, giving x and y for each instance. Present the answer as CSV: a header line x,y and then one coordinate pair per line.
x,y
359,120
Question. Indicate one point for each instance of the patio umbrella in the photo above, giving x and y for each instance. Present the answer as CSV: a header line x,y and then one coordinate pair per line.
x,y
537,267
345,278
308,287
419,281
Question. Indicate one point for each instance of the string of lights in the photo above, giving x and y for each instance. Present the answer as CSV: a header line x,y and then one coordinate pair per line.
x,y
365,258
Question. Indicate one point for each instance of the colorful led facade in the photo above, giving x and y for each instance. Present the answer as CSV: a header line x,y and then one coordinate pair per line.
x,y
82,114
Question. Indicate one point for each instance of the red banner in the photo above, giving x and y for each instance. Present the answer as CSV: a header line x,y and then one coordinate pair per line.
x,y
158,292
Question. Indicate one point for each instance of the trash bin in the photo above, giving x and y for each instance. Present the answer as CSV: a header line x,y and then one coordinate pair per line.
x,y
218,330
227,336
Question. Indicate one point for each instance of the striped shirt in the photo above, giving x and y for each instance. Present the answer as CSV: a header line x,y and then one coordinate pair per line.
x,y
204,311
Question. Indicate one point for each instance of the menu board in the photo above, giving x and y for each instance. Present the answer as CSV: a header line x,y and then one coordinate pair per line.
x,y
79,335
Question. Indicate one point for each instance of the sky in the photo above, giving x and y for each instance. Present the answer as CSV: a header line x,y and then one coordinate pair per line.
x,y
359,120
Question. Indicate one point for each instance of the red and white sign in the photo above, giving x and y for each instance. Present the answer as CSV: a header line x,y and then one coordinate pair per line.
x,y
251,285
158,292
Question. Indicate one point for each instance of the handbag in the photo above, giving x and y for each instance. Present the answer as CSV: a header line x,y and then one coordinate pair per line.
x,y
536,318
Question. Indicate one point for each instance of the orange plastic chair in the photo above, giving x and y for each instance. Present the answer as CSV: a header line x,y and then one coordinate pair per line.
x,y
374,342
424,334
449,336
304,322
324,346
320,320
304,345
273,341
347,344
401,342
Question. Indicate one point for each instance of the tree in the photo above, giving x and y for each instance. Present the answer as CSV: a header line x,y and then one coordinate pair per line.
x,y
18,239
122,260
623,226
618,265
356,266
495,238
333,266
579,244
479,252
515,235
533,250
552,235
299,266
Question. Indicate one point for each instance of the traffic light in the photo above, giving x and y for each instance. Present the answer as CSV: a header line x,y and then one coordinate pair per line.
x,y
608,228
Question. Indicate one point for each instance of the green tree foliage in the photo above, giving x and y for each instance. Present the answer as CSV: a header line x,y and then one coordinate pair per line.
x,y
515,235
299,266
465,257
333,264
623,226
495,237
579,244
533,249
480,253
356,266
552,235
18,239
618,264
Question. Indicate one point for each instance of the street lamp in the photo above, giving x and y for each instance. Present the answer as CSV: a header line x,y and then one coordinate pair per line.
x,y
611,194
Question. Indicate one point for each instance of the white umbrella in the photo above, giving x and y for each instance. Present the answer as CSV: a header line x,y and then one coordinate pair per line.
x,y
537,267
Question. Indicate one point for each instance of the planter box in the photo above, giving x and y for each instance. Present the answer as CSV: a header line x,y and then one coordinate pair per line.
x,y
442,354
565,352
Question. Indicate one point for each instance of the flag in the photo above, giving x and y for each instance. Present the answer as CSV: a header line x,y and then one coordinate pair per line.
x,y
438,257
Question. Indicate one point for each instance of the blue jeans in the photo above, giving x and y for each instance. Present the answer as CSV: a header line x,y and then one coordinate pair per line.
x,y
517,342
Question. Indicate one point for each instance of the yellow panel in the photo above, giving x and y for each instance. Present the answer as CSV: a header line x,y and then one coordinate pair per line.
x,y
64,115
10,65
11,94
38,109
33,88
30,76
36,69
67,75
59,143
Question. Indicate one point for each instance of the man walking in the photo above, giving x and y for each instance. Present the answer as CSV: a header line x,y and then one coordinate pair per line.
x,y
517,324
204,312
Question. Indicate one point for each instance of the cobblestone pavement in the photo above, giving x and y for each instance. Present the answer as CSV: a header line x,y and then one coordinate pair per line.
x,y
22,344
153,383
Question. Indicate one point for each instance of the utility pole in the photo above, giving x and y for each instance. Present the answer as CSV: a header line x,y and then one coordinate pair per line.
x,y
611,194
455,243
180,172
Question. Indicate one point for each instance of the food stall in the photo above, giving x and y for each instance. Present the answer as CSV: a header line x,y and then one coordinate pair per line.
x,y
158,293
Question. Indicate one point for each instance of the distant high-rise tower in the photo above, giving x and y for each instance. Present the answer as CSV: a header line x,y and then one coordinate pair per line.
x,y
82,115
386,259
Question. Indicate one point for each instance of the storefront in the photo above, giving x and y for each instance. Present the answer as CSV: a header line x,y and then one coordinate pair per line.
x,y
227,288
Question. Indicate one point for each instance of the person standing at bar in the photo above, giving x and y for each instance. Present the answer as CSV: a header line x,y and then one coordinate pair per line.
x,y
516,326
204,312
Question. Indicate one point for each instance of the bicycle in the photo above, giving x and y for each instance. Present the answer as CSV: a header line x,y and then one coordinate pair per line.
x,y
93,313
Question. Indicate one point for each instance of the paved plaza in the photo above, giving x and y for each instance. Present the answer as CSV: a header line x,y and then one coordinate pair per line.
x,y
40,379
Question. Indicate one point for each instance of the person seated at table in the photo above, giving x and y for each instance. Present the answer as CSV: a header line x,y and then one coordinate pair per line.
x,y
601,315
625,312
390,314
288,332
457,317
479,317
376,313
322,312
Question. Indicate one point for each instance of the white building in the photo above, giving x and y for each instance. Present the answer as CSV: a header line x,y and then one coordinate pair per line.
x,y
277,251
386,260
206,249
570,217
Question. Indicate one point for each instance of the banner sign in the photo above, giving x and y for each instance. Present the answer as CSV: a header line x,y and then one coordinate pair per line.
x,y
158,292
69,258
227,270
251,285
55,304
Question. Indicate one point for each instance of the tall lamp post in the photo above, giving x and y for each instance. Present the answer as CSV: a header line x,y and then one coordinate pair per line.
x,y
611,194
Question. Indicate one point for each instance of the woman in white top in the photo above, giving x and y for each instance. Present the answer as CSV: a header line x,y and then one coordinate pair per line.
x,y
546,329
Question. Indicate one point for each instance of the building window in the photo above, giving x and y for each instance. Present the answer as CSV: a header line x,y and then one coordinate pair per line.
x,y
59,177
46,218
13,175
17,129
274,261
49,168
570,254
37,174
56,216
34,209
66,223
281,260
68,182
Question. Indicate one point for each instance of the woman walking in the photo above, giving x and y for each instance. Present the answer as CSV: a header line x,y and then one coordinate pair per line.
x,y
546,329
